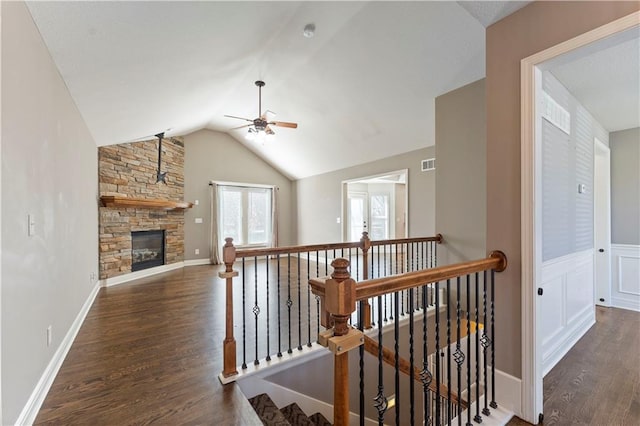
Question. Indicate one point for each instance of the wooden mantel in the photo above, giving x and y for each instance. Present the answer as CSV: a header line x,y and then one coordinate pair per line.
x,y
149,203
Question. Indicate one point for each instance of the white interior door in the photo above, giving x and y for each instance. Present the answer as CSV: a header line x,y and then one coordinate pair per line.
x,y
602,224
357,214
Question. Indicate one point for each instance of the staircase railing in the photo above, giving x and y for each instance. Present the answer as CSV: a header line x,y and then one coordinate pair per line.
x,y
440,401
277,312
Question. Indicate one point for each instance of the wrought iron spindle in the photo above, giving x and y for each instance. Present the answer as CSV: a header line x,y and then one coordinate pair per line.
x,y
289,301
458,355
448,351
425,375
308,300
268,358
477,417
256,307
244,316
493,403
317,297
485,343
394,310
469,348
396,348
326,262
361,362
384,265
412,395
380,401
437,354
279,311
299,307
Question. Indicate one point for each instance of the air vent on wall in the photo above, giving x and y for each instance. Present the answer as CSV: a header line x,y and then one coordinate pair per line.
x,y
555,114
428,164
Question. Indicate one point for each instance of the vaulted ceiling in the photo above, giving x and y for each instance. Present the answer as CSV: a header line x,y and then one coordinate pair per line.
x,y
362,88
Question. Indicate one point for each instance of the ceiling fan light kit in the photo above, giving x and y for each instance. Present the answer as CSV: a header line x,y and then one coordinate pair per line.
x,y
259,128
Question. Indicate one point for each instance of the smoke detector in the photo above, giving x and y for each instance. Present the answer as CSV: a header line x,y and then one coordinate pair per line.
x,y
309,30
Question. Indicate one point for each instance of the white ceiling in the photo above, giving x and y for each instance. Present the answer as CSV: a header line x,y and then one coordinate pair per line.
x,y
488,12
607,82
362,89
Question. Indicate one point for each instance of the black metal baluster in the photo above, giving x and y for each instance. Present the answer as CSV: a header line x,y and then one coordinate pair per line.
x,y
361,362
268,333
384,265
396,348
437,353
448,299
308,300
326,263
279,309
425,375
393,309
244,317
477,418
289,301
256,308
485,343
299,307
412,395
493,403
469,350
317,297
458,355
380,401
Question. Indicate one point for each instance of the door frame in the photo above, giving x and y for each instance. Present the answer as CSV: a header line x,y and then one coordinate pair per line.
x,y
345,192
601,149
530,154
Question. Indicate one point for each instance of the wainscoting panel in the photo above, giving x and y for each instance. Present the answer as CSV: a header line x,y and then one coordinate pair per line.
x,y
566,309
625,276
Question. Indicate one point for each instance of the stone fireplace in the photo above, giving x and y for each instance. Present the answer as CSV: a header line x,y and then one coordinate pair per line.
x,y
128,172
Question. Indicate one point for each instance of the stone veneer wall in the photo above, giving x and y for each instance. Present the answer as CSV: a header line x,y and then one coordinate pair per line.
x,y
130,170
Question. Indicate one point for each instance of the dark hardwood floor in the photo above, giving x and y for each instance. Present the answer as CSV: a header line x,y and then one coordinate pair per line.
x,y
149,351
598,381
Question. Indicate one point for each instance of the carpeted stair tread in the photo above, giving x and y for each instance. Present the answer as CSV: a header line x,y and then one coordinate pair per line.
x,y
268,411
296,416
319,420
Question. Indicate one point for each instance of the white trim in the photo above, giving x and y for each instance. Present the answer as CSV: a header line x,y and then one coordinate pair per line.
x,y
619,266
1,422
564,345
622,298
242,184
30,411
619,303
120,279
197,262
531,362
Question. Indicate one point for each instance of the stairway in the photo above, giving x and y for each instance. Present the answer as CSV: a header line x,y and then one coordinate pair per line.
x,y
291,415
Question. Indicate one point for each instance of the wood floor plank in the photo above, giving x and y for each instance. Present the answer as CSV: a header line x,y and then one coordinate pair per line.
x,y
598,381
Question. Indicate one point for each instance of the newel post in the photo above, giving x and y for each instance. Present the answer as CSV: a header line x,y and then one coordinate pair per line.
x,y
340,303
229,344
365,245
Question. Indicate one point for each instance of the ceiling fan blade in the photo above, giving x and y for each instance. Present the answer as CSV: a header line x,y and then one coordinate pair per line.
x,y
269,131
242,127
284,124
239,118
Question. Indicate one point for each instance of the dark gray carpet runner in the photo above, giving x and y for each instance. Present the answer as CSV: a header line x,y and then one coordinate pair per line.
x,y
291,415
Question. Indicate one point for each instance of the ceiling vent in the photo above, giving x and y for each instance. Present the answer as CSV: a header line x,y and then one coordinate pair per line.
x,y
428,164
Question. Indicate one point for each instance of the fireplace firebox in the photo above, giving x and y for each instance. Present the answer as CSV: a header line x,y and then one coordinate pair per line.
x,y
147,249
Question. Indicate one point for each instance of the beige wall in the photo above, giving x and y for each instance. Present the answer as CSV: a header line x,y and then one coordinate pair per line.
x,y
211,155
461,173
49,169
625,186
534,28
320,197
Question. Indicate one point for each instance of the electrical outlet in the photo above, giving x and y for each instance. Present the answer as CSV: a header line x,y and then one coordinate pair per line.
x,y
32,225
49,335
198,220
197,251
196,202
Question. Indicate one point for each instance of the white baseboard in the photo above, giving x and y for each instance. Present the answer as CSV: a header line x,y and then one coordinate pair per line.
x,y
31,408
141,274
197,262
625,304
508,392
568,340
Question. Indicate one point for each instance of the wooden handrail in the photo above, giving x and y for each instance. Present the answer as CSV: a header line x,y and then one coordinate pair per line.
x,y
438,239
270,251
379,286
388,356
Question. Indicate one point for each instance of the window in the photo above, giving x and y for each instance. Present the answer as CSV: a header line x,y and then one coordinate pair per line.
x,y
245,214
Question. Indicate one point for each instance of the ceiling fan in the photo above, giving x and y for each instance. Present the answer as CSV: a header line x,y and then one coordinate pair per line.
x,y
260,128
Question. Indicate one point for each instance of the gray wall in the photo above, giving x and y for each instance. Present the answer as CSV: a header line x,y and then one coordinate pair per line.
x,y
319,197
625,186
461,194
49,169
210,155
567,161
